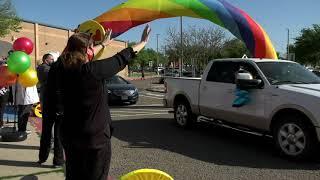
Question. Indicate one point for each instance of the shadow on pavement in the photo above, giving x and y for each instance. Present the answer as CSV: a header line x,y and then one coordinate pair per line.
x,y
14,146
22,164
29,177
206,143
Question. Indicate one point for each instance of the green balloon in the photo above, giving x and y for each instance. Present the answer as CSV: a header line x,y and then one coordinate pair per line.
x,y
18,62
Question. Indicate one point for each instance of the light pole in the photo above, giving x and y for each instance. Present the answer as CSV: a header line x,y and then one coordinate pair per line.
x,y
157,53
181,55
288,44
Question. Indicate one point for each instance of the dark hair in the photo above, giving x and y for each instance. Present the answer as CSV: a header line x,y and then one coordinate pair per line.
x,y
75,53
44,57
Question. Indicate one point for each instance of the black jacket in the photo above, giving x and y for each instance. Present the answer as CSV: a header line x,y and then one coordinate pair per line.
x,y
81,95
42,72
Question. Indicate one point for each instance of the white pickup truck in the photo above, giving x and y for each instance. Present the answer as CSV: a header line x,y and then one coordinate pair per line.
x,y
284,101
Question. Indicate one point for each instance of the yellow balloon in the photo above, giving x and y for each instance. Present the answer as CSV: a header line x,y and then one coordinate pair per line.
x,y
146,174
28,78
97,31
38,111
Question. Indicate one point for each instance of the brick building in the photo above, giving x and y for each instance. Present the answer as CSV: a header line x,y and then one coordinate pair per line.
x,y
48,38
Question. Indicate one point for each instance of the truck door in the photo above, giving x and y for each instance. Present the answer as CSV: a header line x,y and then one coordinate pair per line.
x,y
253,113
217,91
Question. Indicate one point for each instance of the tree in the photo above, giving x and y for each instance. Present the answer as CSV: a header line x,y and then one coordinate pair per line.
x,y
199,45
234,48
8,18
144,57
307,46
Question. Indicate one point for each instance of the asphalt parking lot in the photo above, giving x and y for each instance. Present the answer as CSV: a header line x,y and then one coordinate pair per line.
x,y
146,136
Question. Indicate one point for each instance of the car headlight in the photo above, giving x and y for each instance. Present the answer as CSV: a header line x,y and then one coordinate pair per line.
x,y
130,92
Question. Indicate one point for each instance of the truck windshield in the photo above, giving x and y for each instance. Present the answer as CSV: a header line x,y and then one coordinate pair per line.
x,y
279,73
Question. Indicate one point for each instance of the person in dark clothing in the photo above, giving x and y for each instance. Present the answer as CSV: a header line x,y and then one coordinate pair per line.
x,y
77,90
42,73
4,95
47,123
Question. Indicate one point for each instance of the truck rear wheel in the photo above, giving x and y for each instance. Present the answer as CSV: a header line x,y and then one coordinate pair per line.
x,y
294,138
183,114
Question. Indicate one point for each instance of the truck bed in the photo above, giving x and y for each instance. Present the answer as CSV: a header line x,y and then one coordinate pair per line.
x,y
189,87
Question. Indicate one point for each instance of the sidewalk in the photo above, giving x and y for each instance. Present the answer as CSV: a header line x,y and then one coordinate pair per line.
x,y
18,160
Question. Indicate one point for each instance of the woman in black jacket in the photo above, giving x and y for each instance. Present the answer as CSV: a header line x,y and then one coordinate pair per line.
x,y
76,88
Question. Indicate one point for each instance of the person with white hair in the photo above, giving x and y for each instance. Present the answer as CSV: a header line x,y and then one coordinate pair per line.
x,y
24,98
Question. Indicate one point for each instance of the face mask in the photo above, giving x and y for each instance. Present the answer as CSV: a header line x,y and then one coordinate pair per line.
x,y
90,54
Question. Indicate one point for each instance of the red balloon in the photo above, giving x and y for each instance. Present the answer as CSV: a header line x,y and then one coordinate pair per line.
x,y
23,44
7,78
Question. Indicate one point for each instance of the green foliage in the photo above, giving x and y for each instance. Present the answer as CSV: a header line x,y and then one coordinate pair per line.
x,y
200,45
144,57
307,46
234,48
8,18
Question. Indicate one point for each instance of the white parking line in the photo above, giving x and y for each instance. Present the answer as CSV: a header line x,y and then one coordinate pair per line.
x,y
146,105
138,112
150,96
135,110
148,114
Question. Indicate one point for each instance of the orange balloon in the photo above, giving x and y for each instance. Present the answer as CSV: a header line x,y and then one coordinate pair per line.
x,y
28,78
7,78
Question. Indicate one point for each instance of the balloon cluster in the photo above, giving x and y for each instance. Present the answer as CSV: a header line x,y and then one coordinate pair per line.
x,y
18,66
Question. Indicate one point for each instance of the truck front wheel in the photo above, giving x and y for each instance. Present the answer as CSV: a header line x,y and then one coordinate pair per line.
x,y
294,138
183,115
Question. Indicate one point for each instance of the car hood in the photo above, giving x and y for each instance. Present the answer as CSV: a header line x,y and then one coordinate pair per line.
x,y
311,89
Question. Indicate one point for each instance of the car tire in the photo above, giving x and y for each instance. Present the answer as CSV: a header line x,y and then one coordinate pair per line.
x,y
133,103
183,115
294,138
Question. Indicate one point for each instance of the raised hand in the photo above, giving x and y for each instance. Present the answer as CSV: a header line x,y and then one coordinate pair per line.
x,y
144,39
107,40
145,34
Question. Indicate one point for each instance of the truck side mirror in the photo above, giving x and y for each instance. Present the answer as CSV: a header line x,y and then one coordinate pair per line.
x,y
244,80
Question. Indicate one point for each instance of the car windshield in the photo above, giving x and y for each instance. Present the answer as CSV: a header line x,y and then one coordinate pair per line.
x,y
287,73
116,80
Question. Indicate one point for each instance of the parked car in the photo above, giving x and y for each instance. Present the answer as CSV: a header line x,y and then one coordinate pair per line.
x,y
284,101
121,91
159,69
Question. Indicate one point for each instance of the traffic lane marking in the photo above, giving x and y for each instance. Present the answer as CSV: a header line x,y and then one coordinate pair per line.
x,y
150,96
134,115
139,110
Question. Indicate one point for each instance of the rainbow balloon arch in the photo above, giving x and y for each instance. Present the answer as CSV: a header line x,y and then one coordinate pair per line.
x,y
133,13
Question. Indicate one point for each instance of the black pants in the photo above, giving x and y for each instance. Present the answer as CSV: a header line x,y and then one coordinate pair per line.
x,y
45,141
88,163
23,116
3,102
